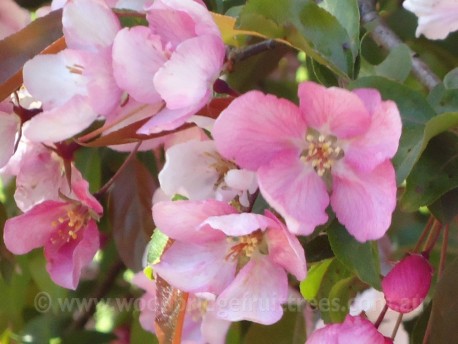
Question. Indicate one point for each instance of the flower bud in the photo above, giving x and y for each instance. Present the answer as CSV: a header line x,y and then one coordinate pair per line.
x,y
407,284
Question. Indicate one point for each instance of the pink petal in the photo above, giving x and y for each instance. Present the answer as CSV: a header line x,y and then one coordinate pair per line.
x,y
103,92
333,111
147,316
187,77
182,220
33,229
168,119
285,250
407,284
65,263
188,19
352,330
9,125
256,127
12,18
239,224
296,192
256,294
214,329
81,189
62,122
137,56
364,203
89,24
49,79
143,282
381,140
197,268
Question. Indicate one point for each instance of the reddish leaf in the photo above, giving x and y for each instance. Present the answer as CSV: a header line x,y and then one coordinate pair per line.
x,y
20,47
170,312
129,211
215,107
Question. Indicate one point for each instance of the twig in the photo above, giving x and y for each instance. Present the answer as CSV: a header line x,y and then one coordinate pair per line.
x,y
386,38
252,50
432,238
443,257
396,327
423,235
98,293
105,188
381,316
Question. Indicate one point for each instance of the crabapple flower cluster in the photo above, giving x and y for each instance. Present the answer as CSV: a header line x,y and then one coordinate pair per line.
x,y
330,153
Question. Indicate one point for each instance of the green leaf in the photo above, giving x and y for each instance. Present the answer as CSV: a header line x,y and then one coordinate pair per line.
x,y
415,113
43,328
335,272
341,296
397,64
307,27
434,174
310,286
129,211
443,99
289,330
92,337
157,246
445,209
347,13
358,257
444,313
138,335
451,79
318,249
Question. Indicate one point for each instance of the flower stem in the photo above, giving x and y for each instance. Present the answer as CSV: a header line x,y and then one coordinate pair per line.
x,y
424,234
432,238
108,184
443,257
381,316
396,327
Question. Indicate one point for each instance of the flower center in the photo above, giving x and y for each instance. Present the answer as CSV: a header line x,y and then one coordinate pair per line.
x,y
221,166
321,151
244,246
70,224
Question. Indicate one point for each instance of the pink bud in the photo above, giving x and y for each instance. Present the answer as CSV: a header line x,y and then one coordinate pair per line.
x,y
407,284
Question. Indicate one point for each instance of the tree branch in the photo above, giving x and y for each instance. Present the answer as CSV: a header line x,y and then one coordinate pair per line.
x,y
387,39
252,50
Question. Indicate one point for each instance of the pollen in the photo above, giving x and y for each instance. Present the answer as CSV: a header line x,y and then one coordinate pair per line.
x,y
69,225
321,152
244,246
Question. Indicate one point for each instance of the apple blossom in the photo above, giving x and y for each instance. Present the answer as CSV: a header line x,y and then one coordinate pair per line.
x,y
436,18
196,170
66,229
240,257
77,84
200,325
177,66
336,142
407,284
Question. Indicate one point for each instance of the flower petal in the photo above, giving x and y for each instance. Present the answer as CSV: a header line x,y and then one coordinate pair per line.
x,y
381,140
333,111
364,203
62,122
197,268
137,56
9,125
182,220
33,229
89,24
257,127
284,249
188,76
256,294
239,224
296,192
65,263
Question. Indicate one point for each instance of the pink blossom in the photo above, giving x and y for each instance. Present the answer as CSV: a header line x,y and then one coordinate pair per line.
x,y
336,142
407,284
352,330
76,85
66,229
200,325
436,18
196,170
177,66
9,126
12,18
238,257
